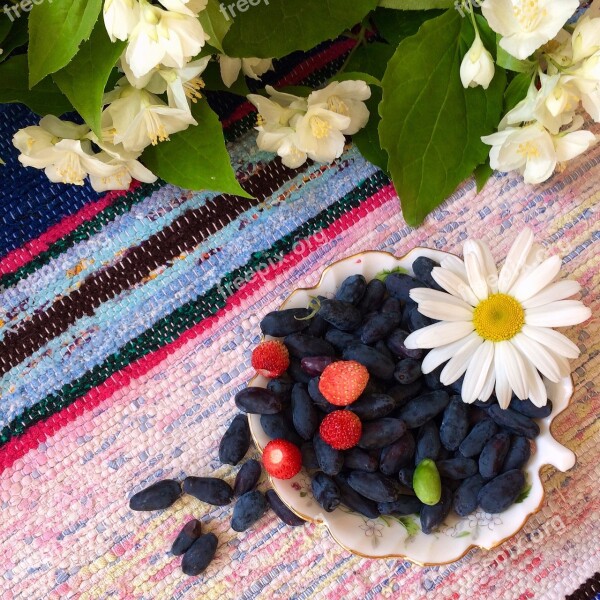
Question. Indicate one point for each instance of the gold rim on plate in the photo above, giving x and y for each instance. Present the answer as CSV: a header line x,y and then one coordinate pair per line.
x,y
324,523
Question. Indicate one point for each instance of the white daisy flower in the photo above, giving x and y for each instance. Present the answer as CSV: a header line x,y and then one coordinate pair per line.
x,y
495,327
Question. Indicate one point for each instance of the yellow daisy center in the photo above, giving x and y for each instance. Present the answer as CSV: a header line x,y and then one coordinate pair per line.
x,y
498,318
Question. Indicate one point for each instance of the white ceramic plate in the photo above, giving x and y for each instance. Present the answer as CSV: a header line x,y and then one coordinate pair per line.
x,y
390,537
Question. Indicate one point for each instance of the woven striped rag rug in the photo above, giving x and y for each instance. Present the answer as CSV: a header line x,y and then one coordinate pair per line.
x,y
126,324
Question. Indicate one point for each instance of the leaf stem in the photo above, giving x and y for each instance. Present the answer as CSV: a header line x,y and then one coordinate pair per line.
x,y
360,38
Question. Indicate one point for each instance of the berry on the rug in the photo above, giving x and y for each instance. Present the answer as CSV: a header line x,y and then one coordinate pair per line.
x,y
282,459
341,429
271,358
342,382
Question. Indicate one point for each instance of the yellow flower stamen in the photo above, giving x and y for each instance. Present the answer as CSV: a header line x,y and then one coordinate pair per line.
x,y
498,318
337,105
260,120
528,150
529,14
192,88
320,127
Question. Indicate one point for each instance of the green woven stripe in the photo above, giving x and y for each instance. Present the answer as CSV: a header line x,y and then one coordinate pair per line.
x,y
83,232
169,328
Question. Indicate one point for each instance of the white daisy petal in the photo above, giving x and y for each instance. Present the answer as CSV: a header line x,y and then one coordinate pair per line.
x,y
458,364
488,264
454,285
538,355
516,258
475,378
553,340
553,292
434,358
532,282
562,313
476,277
535,257
438,334
510,357
455,265
537,390
428,295
503,391
445,311
490,381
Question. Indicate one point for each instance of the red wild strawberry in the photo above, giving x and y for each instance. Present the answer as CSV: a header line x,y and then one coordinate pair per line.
x,y
271,358
341,429
343,382
282,459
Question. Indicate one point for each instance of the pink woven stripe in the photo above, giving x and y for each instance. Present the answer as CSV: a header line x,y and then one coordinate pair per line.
x,y
21,256
39,432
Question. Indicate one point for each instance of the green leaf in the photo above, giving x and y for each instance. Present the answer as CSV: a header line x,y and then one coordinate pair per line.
x,y
353,75
463,534
5,26
215,22
517,90
482,173
524,494
396,25
383,275
84,79
276,28
367,139
56,29
196,158
431,126
371,58
15,38
416,4
509,62
44,98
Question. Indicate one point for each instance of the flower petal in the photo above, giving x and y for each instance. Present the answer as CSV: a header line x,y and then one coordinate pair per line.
x,y
454,285
554,340
553,292
459,363
562,313
512,361
476,276
490,382
438,334
532,282
537,390
441,306
475,378
454,264
434,358
538,356
503,391
515,259
487,263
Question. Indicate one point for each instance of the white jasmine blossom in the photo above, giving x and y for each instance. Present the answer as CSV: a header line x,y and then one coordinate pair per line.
x,y
319,133
182,85
346,98
477,67
254,68
120,17
126,167
163,37
534,151
137,118
495,326
525,25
